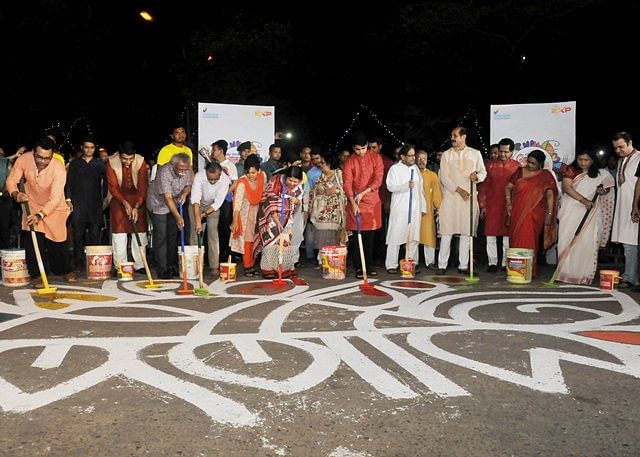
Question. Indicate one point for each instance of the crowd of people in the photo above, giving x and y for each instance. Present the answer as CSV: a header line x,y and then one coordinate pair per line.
x,y
261,212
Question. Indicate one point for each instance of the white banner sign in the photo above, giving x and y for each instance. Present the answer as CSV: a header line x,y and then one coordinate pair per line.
x,y
235,124
547,126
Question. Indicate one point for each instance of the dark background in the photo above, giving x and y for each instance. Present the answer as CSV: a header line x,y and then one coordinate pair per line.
x,y
419,68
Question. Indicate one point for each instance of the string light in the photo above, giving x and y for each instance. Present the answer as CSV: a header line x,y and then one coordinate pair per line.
x,y
374,116
64,133
471,111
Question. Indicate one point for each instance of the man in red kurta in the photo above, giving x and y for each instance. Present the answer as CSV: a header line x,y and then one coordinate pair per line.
x,y
491,201
44,190
363,173
127,180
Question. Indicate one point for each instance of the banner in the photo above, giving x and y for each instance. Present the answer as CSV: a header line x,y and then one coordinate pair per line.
x,y
547,126
235,124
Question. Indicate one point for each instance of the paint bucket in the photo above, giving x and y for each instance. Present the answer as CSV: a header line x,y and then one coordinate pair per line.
x,y
334,262
191,258
407,268
228,271
125,271
14,267
99,261
609,279
519,265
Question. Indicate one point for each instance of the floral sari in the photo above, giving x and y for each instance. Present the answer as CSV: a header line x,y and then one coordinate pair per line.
x,y
578,258
274,221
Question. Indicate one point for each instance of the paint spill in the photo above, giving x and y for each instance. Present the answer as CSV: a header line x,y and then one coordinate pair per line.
x,y
446,279
49,301
412,284
616,337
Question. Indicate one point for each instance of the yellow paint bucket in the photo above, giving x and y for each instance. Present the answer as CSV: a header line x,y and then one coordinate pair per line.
x,y
125,271
519,265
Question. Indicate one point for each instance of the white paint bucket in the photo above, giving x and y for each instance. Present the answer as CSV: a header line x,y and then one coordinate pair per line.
x,y
14,267
191,259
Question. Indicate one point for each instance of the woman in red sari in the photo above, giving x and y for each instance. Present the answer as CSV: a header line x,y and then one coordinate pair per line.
x,y
275,216
531,201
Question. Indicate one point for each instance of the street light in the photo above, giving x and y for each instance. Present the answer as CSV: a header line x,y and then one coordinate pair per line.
x,y
146,16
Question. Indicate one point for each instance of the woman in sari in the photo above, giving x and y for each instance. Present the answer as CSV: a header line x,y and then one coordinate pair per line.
x,y
578,254
531,201
275,217
327,203
246,201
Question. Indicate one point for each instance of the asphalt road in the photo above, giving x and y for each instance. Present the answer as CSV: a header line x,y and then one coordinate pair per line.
x,y
430,368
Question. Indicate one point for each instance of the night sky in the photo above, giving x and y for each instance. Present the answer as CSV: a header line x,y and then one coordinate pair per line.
x,y
420,67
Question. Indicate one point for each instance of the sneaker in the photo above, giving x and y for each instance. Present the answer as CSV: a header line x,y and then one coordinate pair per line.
x,y
359,274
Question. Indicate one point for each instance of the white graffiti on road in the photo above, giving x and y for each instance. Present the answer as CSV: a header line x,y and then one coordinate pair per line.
x,y
418,317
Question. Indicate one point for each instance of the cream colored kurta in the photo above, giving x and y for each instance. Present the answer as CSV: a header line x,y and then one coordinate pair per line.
x,y
433,198
398,184
455,169
623,229
46,193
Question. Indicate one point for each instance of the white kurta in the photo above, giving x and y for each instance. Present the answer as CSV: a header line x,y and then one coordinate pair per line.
x,y
623,229
398,184
455,169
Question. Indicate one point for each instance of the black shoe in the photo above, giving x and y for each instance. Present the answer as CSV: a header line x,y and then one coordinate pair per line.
x,y
441,271
359,274
299,265
432,266
373,272
392,271
463,271
141,271
492,269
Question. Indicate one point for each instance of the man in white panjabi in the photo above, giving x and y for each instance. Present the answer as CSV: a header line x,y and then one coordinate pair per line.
x,y
402,187
624,230
459,165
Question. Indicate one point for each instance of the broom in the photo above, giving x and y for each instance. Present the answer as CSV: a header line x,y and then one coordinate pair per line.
x,y
46,290
365,287
201,291
185,289
150,284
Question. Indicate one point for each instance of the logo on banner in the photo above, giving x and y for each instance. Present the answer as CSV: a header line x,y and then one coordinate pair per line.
x,y
263,113
558,110
497,115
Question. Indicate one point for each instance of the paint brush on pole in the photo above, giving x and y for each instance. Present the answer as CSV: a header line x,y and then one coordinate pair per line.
x,y
201,290
46,290
150,284
185,288
471,279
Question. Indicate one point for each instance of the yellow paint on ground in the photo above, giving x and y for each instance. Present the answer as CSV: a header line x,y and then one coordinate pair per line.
x,y
50,301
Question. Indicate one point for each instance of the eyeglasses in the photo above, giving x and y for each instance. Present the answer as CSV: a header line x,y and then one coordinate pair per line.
x,y
43,159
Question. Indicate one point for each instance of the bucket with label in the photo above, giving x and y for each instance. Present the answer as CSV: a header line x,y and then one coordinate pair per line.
x,y
334,262
519,265
609,279
191,258
228,271
407,268
125,271
14,267
99,261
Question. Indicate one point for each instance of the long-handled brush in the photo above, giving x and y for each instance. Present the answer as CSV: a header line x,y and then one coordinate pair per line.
x,y
201,290
365,287
406,250
471,279
562,257
150,284
46,290
185,288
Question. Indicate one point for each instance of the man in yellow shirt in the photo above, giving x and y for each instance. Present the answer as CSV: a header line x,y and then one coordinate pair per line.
x,y
177,146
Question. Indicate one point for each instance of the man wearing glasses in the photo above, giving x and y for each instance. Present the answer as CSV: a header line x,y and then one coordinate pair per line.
x,y
404,181
210,187
44,190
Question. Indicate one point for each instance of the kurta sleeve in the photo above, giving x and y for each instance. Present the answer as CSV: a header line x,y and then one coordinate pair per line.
x,y
114,187
394,181
420,188
437,192
445,174
378,173
56,196
142,185
480,168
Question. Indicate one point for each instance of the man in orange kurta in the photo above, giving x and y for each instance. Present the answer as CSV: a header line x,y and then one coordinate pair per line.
x,y
44,190
492,204
362,174
127,180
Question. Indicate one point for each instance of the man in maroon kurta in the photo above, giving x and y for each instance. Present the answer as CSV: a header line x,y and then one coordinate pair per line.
x,y
491,201
362,174
127,180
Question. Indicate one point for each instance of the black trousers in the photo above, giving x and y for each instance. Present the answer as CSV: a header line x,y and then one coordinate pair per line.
x,y
165,241
84,234
55,255
368,238
224,230
6,205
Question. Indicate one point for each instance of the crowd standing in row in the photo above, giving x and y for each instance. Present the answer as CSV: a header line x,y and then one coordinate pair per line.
x,y
262,211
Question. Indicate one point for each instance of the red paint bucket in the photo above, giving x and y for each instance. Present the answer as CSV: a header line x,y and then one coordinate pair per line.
x,y
99,261
609,279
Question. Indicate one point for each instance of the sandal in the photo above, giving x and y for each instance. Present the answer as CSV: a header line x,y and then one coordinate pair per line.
x,y
250,272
